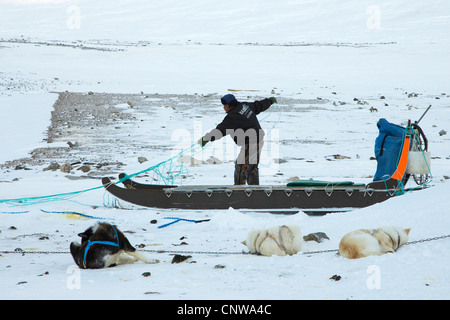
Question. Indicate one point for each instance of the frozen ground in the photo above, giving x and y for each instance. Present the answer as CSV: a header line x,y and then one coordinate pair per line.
x,y
126,79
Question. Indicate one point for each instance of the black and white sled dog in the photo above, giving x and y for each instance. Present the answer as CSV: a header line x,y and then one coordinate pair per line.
x,y
279,240
104,245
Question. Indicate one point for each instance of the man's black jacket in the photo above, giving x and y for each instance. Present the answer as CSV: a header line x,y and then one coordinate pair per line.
x,y
241,123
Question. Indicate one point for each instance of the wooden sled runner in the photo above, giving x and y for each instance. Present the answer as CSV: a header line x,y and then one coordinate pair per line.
x,y
314,198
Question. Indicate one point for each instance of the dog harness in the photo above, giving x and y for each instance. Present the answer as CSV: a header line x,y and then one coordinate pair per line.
x,y
392,240
91,243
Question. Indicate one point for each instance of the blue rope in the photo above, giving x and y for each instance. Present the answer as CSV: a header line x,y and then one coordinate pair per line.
x,y
42,199
14,212
68,195
171,176
176,219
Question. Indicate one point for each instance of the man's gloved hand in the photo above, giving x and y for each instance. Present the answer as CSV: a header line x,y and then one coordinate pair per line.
x,y
273,99
202,142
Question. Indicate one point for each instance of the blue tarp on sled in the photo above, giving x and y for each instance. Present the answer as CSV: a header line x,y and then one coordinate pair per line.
x,y
388,146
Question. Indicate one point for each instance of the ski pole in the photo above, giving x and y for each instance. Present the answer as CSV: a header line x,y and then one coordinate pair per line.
x,y
417,122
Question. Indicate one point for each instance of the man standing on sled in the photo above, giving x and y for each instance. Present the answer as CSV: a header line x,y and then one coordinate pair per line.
x,y
244,128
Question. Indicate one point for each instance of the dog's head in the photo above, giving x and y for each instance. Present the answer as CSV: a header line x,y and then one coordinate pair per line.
x,y
86,235
251,241
404,235
101,232
77,250
398,235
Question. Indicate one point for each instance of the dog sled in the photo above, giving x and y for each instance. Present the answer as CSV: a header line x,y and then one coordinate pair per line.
x,y
400,152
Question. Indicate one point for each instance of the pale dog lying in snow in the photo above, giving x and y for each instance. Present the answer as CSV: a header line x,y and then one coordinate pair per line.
x,y
280,240
365,242
288,240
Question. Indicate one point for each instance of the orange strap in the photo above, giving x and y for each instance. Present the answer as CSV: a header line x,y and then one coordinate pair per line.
x,y
401,166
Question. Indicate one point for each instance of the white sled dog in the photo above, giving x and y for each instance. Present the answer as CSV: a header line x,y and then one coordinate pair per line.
x,y
280,240
366,242
102,246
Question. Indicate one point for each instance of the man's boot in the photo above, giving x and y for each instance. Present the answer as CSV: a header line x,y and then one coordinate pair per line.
x,y
253,175
240,174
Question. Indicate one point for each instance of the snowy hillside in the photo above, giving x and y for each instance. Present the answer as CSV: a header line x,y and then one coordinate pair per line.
x,y
125,79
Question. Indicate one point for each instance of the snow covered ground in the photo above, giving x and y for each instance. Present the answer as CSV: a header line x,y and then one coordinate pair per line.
x,y
327,65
